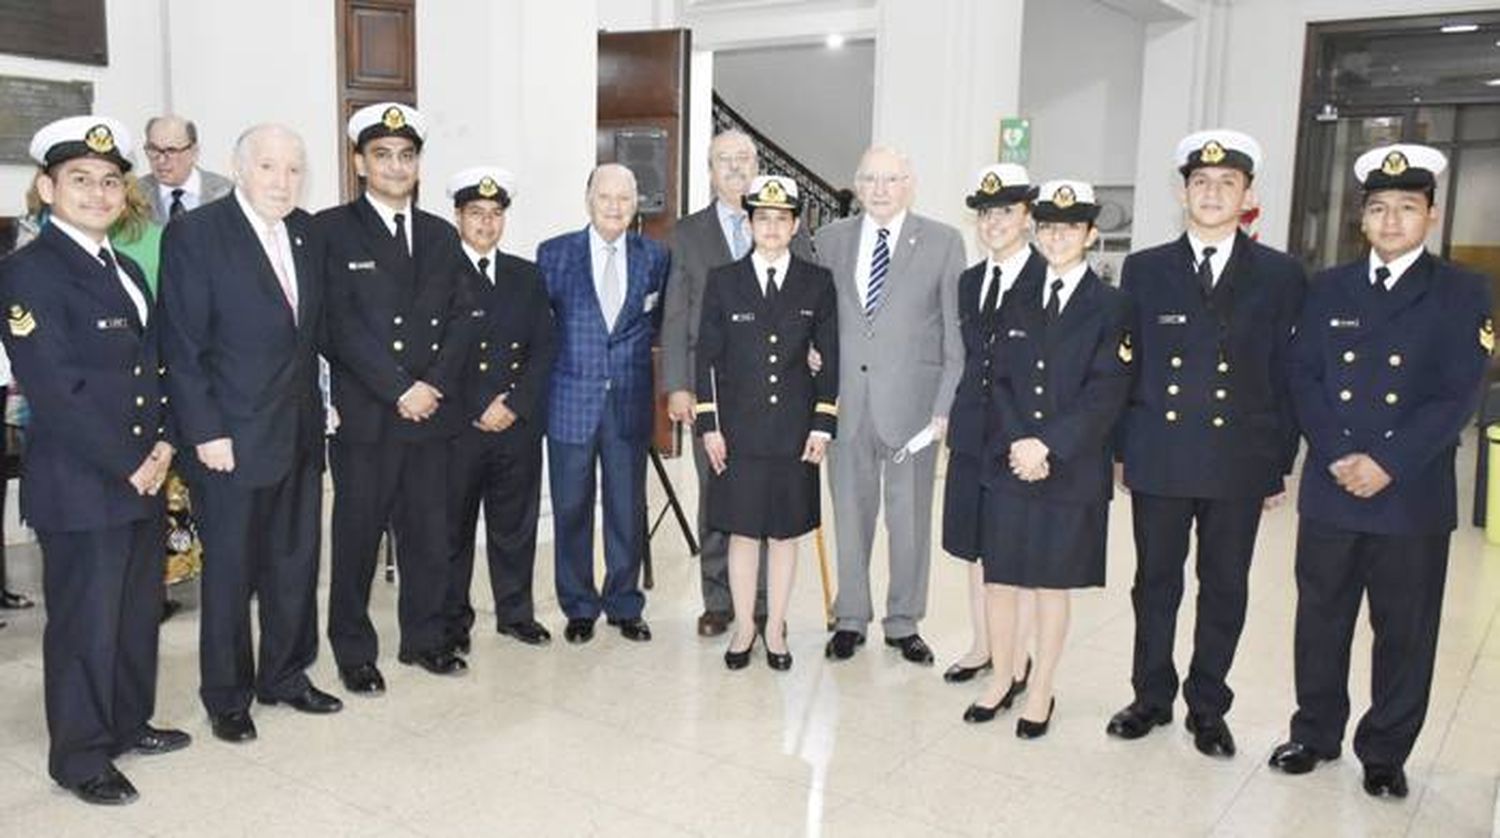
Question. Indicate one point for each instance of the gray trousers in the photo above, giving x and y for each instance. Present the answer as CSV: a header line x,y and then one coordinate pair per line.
x,y
713,548
862,475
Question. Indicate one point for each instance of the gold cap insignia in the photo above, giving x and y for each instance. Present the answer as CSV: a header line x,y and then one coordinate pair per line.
x,y
488,188
991,183
393,118
773,193
100,139
1064,197
1487,335
1125,352
1394,164
1212,152
21,321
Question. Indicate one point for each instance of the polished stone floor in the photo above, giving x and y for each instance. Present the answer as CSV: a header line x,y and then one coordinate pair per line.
x,y
615,738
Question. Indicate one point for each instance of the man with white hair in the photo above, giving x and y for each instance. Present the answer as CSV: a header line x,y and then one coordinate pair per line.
x,y
243,294
605,284
901,356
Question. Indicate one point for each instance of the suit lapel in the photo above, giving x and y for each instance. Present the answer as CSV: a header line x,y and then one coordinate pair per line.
x,y
1410,288
1079,308
713,232
249,242
636,279
379,240
89,273
582,259
307,289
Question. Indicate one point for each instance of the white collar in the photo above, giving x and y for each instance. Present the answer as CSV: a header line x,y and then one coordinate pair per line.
x,y
475,256
81,238
388,215
728,212
597,242
1222,249
192,186
1070,280
1010,267
761,265
871,226
1397,266
261,225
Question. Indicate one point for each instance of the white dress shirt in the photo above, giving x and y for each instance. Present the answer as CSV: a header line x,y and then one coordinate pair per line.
x,y
192,191
599,251
727,218
91,247
276,244
1010,270
1397,266
388,215
868,234
1216,262
1071,278
780,265
474,257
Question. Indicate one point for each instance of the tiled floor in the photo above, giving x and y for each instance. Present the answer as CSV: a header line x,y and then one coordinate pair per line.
x,y
621,739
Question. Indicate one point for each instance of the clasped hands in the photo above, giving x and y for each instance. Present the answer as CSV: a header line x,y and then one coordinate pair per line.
x,y
497,417
151,474
1359,475
1028,459
419,402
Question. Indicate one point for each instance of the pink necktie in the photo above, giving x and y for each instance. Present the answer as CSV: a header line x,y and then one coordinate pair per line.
x,y
269,239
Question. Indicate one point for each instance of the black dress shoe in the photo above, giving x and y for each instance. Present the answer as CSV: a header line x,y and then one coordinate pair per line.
x,y
311,700
154,740
632,628
12,601
1137,720
913,648
363,679
234,726
1027,729
169,608
713,623
958,673
977,713
529,632
1385,780
843,644
460,645
741,659
108,788
1296,758
1211,735
579,631
779,661
438,661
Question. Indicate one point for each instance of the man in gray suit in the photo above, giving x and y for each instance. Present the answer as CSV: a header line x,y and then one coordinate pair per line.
x,y
900,359
706,239
176,184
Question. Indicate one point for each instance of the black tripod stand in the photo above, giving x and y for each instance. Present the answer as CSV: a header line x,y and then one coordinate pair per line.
x,y
650,524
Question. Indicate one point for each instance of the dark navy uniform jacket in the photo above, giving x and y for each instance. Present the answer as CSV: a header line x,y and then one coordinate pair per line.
x,y
753,383
1393,374
1210,415
967,419
1063,383
393,319
513,348
92,375
242,366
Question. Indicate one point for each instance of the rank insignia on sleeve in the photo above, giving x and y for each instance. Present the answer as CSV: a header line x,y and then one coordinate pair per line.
x,y
22,322
1125,352
1486,335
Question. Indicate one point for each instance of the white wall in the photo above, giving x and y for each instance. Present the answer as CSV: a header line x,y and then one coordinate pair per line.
x,y
815,102
1081,87
129,89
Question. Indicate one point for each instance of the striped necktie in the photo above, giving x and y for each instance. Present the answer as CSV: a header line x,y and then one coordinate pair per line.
x,y
880,264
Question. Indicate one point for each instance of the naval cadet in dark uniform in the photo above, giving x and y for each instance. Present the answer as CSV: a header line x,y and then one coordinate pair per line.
x,y
496,460
82,335
1062,366
765,417
1386,369
397,318
1002,198
1209,433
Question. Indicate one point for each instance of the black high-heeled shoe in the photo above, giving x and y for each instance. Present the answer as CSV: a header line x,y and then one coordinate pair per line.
x,y
779,662
741,659
1027,729
1016,688
977,713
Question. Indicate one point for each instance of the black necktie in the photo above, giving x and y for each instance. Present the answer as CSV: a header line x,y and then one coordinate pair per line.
x,y
401,234
771,289
1054,302
176,208
109,261
484,268
1206,271
1382,275
992,294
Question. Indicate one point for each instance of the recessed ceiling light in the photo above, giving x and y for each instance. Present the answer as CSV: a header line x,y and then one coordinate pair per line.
x,y
834,41
1458,28
1493,82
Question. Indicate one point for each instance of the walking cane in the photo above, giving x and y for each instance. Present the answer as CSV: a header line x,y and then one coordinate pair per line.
x,y
823,573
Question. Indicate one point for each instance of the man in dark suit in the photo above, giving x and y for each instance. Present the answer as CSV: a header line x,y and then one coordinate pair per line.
x,y
1385,373
1209,432
496,460
605,285
82,337
397,321
243,307
715,235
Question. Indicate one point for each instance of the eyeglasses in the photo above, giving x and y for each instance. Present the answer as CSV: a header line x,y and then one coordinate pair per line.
x,y
157,152
744,158
479,214
868,180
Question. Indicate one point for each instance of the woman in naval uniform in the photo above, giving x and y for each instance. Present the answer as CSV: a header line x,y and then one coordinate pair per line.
x,y
1061,363
765,417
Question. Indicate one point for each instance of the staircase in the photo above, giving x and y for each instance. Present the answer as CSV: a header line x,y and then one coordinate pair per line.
x,y
821,201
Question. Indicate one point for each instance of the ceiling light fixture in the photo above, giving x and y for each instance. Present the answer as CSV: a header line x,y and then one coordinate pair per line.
x,y
834,41
1459,28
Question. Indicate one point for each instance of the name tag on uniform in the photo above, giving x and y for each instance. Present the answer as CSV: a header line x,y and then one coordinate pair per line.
x,y
651,301
105,323
1015,333
805,312
362,266
1172,319
742,317
1344,323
